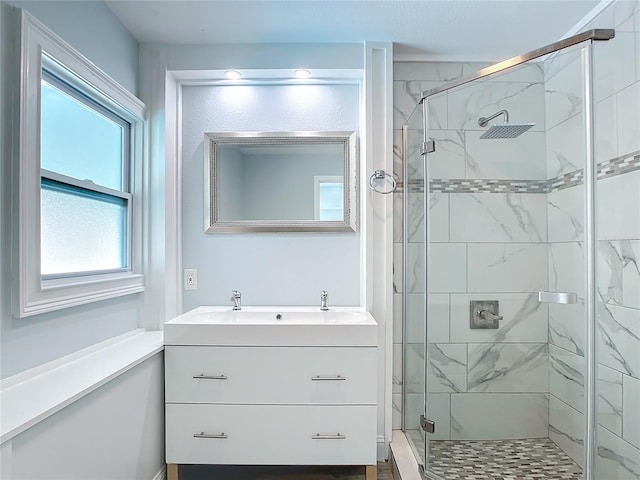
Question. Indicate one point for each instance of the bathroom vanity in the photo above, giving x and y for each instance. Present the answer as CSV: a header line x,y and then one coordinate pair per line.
x,y
271,386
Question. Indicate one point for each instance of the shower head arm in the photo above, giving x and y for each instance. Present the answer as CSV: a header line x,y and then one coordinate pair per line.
x,y
484,121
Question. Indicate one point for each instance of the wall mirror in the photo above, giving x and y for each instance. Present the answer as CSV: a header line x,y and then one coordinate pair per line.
x,y
280,181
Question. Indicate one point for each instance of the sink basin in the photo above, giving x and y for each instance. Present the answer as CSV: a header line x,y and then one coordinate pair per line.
x,y
265,326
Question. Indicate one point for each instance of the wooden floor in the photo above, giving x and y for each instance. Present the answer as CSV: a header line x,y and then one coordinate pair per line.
x,y
211,472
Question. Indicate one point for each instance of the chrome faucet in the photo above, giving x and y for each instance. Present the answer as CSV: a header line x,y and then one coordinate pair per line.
x,y
323,301
236,297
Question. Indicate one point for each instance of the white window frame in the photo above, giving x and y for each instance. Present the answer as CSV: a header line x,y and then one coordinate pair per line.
x,y
32,293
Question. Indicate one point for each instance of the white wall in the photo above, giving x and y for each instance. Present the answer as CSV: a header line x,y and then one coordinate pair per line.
x,y
268,268
50,336
111,434
117,430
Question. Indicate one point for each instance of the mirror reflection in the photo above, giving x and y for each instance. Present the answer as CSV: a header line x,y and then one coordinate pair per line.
x,y
295,181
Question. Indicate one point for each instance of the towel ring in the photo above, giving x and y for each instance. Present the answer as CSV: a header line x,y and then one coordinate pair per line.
x,y
382,175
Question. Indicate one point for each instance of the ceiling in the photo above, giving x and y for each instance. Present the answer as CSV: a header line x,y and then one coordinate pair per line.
x,y
455,30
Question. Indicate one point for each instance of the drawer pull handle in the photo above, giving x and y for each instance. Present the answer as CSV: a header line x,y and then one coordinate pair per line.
x,y
202,376
336,436
337,377
210,435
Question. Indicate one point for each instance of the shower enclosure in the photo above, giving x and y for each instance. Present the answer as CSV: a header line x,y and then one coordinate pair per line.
x,y
502,314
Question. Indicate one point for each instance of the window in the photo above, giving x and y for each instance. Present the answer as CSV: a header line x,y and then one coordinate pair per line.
x,y
80,163
329,197
84,195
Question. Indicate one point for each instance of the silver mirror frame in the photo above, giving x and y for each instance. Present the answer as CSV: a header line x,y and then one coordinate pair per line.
x,y
212,223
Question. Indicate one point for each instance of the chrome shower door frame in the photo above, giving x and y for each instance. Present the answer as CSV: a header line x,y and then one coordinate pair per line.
x,y
590,178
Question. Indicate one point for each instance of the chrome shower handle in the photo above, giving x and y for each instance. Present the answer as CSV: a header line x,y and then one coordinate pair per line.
x,y
487,315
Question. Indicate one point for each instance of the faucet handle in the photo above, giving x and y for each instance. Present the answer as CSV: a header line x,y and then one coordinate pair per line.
x,y
323,300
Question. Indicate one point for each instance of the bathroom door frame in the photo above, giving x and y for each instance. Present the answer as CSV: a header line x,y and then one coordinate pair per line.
x,y
586,38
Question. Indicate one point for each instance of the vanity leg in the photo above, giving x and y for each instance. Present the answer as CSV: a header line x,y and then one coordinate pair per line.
x,y
371,472
172,471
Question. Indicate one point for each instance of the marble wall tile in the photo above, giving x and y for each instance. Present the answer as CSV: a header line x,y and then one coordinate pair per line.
x,y
619,272
564,91
415,217
565,214
448,272
406,95
396,411
398,151
397,318
565,147
398,207
566,377
414,163
566,267
637,28
631,410
448,161
498,217
628,119
414,408
523,101
525,319
439,208
606,129
618,215
437,112
439,410
614,65
619,338
524,73
396,381
616,458
566,326
566,429
558,61
433,71
508,367
472,67
397,268
498,416
414,368
610,399
438,318
520,158
615,15
508,268
447,367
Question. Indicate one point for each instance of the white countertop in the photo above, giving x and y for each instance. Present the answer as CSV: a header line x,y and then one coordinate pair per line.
x,y
272,326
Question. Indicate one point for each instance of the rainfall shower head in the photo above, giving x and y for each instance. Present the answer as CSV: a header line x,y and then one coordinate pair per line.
x,y
503,130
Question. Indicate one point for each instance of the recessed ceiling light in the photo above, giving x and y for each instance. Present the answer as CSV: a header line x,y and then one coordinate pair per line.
x,y
232,74
302,73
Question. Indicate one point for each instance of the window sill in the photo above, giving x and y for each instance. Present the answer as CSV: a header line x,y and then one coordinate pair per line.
x,y
30,397
57,294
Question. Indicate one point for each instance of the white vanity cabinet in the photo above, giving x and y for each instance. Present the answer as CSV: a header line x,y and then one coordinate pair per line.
x,y
235,397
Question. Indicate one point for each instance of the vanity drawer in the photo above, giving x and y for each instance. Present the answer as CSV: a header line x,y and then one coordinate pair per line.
x,y
271,434
248,375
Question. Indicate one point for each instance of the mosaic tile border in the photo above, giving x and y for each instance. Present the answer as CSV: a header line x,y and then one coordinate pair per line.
x,y
610,168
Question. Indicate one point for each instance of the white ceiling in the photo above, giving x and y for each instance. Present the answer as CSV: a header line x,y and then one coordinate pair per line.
x,y
455,30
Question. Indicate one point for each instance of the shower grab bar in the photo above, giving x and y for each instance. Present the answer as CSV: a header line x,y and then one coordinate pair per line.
x,y
558,297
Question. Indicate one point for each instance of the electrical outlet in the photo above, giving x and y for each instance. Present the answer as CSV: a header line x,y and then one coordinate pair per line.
x,y
190,279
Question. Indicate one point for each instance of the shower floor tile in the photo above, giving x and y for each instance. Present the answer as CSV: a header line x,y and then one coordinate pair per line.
x,y
526,459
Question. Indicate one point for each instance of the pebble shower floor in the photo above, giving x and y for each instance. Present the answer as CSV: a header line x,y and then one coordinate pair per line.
x,y
526,459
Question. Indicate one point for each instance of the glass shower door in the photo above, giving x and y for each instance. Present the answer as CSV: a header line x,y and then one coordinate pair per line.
x,y
413,292
505,207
